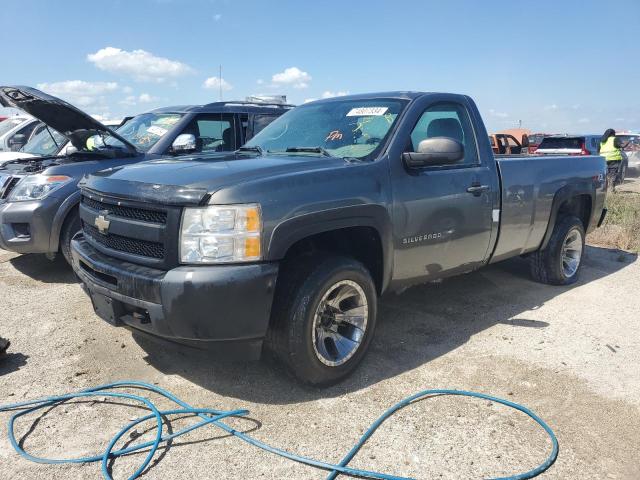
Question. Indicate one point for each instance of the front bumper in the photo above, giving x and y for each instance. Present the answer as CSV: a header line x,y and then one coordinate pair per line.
x,y
222,307
25,227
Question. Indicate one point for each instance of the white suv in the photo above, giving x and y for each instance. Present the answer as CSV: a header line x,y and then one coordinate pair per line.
x,y
15,132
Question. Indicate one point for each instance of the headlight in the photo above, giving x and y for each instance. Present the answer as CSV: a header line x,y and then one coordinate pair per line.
x,y
36,187
221,234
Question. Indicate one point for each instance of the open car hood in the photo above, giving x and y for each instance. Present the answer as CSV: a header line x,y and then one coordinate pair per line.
x,y
74,124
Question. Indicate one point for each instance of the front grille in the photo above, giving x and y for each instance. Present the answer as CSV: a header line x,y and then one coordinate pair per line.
x,y
134,213
11,184
119,243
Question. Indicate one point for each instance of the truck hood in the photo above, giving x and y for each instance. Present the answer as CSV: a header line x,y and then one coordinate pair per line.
x,y
192,181
71,122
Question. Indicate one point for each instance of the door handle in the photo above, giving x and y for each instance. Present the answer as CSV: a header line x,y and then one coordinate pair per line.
x,y
476,189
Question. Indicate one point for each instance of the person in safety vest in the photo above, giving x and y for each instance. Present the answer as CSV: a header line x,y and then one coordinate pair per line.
x,y
611,150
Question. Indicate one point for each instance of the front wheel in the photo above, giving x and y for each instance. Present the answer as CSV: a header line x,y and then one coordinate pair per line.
x,y
559,263
323,318
70,227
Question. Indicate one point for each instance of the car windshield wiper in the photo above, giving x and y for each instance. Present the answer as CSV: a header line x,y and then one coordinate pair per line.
x,y
321,150
255,148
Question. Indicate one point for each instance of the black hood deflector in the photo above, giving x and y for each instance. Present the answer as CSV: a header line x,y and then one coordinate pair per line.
x,y
71,122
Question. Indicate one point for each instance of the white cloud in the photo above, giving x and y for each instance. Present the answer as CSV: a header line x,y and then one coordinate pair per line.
x,y
553,106
138,64
584,120
292,76
217,83
146,98
217,17
260,81
494,113
79,92
330,94
132,100
307,100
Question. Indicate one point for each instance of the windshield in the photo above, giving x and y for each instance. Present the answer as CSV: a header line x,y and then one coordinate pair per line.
x,y
43,144
340,128
143,131
8,124
561,142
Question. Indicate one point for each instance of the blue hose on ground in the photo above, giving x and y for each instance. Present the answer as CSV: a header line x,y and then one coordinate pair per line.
x,y
215,418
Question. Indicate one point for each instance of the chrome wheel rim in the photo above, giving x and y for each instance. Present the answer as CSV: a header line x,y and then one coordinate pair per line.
x,y
340,323
571,253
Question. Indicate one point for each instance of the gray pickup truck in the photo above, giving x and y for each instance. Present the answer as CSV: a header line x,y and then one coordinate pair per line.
x,y
285,245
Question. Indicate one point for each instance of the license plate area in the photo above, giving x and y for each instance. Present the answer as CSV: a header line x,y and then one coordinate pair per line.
x,y
107,309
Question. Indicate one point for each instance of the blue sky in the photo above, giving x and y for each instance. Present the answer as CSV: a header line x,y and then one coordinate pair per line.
x,y
558,66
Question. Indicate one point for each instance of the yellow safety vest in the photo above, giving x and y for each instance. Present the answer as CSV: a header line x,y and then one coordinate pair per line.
x,y
609,151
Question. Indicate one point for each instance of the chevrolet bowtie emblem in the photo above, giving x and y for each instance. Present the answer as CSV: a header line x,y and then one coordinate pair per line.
x,y
101,223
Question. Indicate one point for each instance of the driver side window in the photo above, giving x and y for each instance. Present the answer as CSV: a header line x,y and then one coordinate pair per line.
x,y
214,133
449,120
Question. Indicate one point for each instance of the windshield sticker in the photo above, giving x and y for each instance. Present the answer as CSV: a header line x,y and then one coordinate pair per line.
x,y
367,111
159,131
334,135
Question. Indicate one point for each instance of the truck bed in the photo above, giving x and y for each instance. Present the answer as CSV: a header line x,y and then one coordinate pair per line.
x,y
529,185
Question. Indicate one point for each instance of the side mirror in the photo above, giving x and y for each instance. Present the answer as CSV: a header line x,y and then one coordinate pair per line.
x,y
185,142
435,151
17,142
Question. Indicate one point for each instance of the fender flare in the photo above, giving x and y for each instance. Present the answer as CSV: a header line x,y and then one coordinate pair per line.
x,y
67,206
562,195
292,230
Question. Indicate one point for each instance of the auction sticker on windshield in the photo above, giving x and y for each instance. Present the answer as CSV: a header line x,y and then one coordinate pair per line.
x,y
367,111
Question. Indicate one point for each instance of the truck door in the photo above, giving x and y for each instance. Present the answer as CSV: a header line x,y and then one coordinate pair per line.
x,y
442,213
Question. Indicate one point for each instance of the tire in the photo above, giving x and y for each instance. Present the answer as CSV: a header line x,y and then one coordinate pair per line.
x,y
296,333
70,227
547,265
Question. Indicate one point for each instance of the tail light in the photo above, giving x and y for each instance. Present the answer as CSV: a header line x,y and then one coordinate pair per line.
x,y
583,149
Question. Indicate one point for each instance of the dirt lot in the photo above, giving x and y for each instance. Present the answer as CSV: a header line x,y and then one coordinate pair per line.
x,y
571,354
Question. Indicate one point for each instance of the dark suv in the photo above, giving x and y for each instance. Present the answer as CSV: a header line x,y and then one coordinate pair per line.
x,y
39,197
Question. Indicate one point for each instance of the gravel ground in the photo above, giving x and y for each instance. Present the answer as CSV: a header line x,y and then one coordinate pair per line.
x,y
569,353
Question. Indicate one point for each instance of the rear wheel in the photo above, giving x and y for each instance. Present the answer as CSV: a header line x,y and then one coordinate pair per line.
x,y
70,227
559,263
323,319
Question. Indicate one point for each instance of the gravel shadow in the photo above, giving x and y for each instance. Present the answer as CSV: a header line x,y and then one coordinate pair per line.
x,y
414,328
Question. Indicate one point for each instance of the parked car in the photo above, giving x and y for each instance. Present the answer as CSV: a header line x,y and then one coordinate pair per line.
x,y
288,243
535,139
569,145
15,132
39,196
506,144
630,143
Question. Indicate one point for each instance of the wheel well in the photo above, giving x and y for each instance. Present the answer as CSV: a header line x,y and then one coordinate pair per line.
x,y
361,243
580,206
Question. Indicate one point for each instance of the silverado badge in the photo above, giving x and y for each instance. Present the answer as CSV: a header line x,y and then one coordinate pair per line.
x,y
102,223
